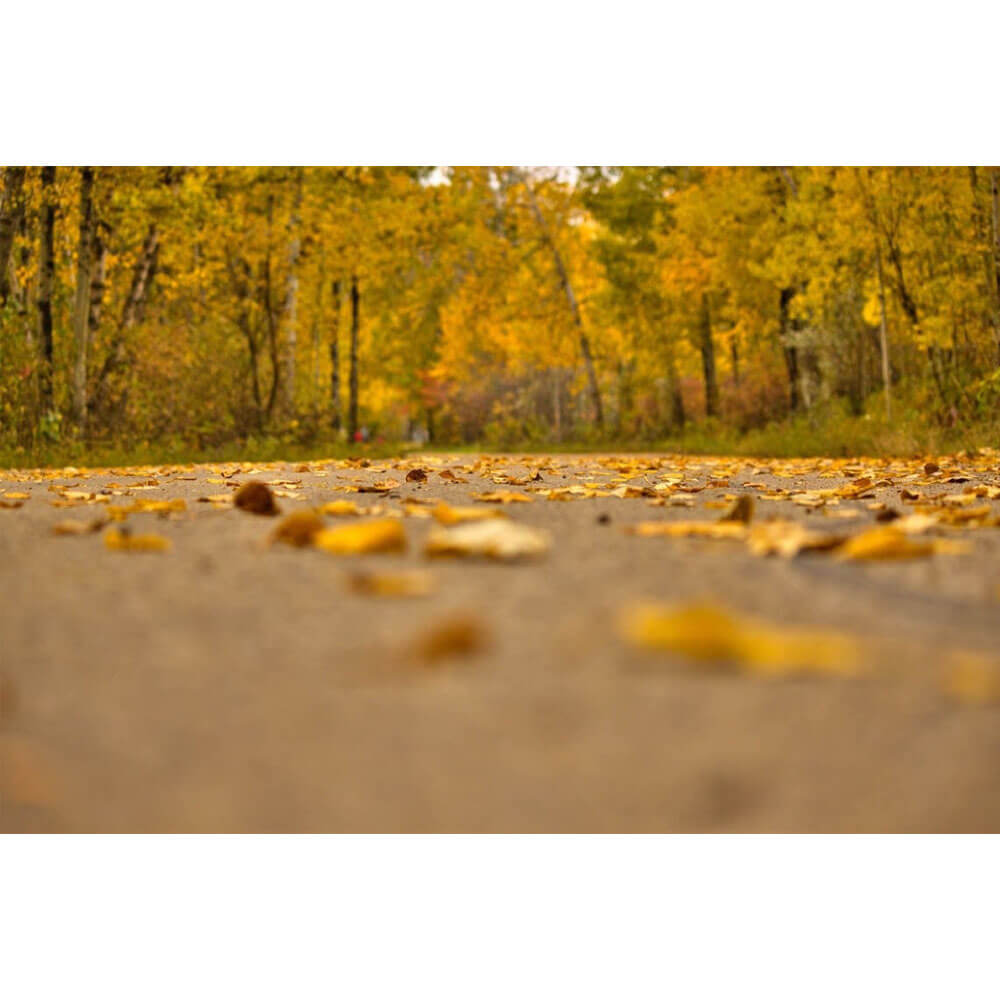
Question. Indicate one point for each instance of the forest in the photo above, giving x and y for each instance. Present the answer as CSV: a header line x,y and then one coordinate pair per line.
x,y
507,307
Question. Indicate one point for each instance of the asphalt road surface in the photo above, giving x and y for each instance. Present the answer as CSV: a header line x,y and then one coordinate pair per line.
x,y
232,685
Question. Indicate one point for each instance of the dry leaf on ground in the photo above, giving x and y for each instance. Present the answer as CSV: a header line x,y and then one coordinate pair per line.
x,y
459,636
406,583
298,529
711,635
973,678
124,541
687,529
340,508
362,538
78,527
256,498
493,539
503,496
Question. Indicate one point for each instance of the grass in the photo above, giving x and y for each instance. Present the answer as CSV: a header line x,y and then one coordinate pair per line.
x,y
831,432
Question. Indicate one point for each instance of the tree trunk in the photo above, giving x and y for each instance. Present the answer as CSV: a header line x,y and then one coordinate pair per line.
x,y
678,415
336,417
995,233
352,409
81,302
707,348
790,351
142,278
574,306
11,216
97,285
291,300
883,339
46,279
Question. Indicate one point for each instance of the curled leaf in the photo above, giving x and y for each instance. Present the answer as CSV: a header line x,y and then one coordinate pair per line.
x,y
256,498
444,513
742,510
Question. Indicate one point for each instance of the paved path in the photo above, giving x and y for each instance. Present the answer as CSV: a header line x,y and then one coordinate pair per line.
x,y
228,685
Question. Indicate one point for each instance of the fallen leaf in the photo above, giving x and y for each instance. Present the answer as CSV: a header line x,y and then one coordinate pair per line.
x,y
124,541
459,636
972,678
416,476
385,486
687,529
364,537
256,498
446,514
741,511
889,542
493,539
11,504
17,496
408,583
711,635
788,539
78,527
503,496
340,508
298,529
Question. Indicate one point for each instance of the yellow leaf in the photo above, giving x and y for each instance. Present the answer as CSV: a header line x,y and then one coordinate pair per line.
x,y
884,543
973,678
788,539
503,496
712,635
340,508
123,541
364,537
494,539
446,514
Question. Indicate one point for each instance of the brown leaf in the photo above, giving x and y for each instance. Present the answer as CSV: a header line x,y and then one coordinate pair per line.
x,y
458,636
256,498
416,476
298,529
741,511
408,583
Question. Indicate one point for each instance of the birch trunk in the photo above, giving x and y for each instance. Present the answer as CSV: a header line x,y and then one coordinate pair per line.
x,y
574,306
46,278
81,301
